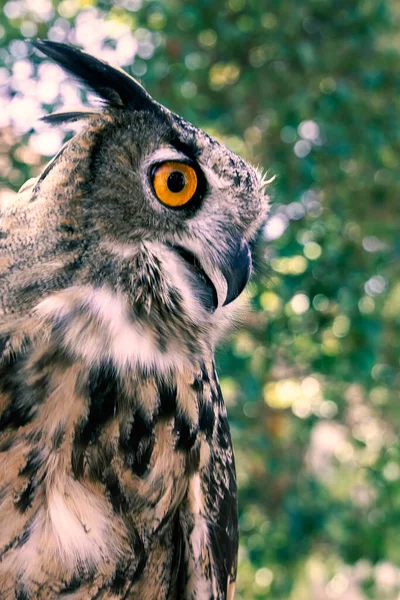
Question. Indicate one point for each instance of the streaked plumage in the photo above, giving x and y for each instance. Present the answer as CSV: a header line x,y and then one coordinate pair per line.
x,y
117,475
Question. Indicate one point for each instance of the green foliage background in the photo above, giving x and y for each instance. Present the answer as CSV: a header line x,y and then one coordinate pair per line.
x,y
309,91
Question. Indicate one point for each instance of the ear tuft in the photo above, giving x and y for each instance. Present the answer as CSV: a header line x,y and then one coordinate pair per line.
x,y
113,85
68,117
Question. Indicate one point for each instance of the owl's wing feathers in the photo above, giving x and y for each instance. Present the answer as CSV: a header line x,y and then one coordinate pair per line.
x,y
213,538
221,509
219,483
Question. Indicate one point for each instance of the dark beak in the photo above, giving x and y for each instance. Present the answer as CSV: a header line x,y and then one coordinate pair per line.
x,y
235,266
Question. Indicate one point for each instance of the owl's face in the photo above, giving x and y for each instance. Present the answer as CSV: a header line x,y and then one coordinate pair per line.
x,y
158,179
170,213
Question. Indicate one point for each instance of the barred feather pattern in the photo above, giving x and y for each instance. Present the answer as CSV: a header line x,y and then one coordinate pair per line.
x,y
106,477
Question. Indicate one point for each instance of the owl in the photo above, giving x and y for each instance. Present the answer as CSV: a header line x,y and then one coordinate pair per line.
x,y
120,266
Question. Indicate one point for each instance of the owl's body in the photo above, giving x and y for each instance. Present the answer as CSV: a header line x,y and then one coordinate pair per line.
x,y
117,475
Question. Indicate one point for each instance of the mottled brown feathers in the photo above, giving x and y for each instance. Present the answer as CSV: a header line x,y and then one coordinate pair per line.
x,y
93,430
117,476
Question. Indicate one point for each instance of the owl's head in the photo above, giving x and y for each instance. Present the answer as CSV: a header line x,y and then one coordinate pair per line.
x,y
159,212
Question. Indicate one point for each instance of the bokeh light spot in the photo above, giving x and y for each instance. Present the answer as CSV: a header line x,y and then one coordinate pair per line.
x,y
264,577
300,303
312,250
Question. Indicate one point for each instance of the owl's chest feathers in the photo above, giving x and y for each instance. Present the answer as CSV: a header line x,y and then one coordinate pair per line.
x,y
103,460
128,462
95,324
143,438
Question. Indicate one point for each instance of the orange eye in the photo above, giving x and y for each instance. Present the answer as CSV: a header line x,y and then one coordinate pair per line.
x,y
174,183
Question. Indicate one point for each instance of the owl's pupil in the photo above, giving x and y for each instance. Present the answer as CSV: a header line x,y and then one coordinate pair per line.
x,y
176,182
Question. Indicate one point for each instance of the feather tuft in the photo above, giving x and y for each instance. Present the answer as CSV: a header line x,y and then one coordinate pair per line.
x,y
67,117
111,84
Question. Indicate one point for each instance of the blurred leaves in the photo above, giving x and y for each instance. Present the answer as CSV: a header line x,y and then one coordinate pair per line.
x,y
310,91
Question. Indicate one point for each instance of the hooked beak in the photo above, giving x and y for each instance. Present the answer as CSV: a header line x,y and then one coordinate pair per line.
x,y
235,266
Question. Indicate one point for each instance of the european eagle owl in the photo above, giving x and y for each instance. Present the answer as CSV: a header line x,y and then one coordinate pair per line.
x,y
119,268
